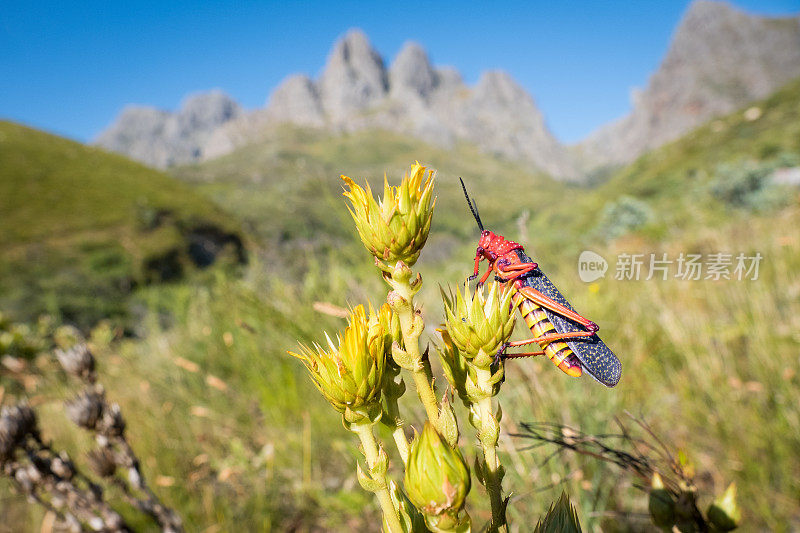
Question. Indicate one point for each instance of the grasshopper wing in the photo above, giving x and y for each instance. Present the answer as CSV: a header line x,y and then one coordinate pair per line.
x,y
595,357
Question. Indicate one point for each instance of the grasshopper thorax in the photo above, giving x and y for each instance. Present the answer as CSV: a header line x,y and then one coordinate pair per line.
x,y
492,246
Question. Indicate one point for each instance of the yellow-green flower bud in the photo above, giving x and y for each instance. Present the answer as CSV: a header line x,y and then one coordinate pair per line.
x,y
396,228
454,366
725,514
437,479
480,323
661,503
349,374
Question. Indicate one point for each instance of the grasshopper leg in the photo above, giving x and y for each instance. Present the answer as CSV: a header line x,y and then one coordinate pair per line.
x,y
512,272
548,303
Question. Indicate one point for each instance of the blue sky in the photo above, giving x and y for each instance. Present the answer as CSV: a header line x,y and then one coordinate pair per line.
x,y
69,67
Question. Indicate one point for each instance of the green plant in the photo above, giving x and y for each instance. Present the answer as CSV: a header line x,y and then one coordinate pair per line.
x,y
367,359
623,215
748,185
560,518
81,228
668,479
77,500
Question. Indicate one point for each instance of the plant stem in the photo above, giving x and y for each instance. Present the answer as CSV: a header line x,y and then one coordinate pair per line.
x,y
392,414
427,396
489,435
411,334
402,444
364,432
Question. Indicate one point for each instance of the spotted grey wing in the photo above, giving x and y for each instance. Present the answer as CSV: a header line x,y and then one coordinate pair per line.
x,y
595,357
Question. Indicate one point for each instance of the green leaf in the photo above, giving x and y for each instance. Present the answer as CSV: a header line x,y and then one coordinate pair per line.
x,y
367,483
560,518
403,359
447,424
411,519
478,468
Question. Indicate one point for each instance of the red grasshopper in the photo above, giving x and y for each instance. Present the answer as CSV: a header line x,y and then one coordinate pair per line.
x,y
568,339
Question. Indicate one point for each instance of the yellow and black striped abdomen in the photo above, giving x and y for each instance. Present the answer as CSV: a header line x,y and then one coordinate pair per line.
x,y
536,319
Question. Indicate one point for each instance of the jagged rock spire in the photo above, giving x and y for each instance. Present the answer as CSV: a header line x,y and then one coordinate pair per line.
x,y
354,77
296,100
411,74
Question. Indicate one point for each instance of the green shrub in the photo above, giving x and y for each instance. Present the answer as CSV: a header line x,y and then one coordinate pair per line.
x,y
624,215
748,185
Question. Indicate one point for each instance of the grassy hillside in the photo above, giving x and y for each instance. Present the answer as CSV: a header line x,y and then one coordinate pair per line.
x,y
287,186
80,227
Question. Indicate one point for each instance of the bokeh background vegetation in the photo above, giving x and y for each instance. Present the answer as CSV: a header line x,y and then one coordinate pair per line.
x,y
230,430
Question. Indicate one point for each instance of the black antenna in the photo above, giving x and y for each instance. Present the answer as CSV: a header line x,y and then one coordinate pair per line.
x,y
472,206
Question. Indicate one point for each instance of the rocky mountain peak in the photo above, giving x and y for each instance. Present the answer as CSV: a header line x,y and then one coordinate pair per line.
x,y
161,138
499,88
719,59
135,133
296,100
746,54
412,73
502,117
354,46
135,120
207,110
354,92
449,80
701,12
354,76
